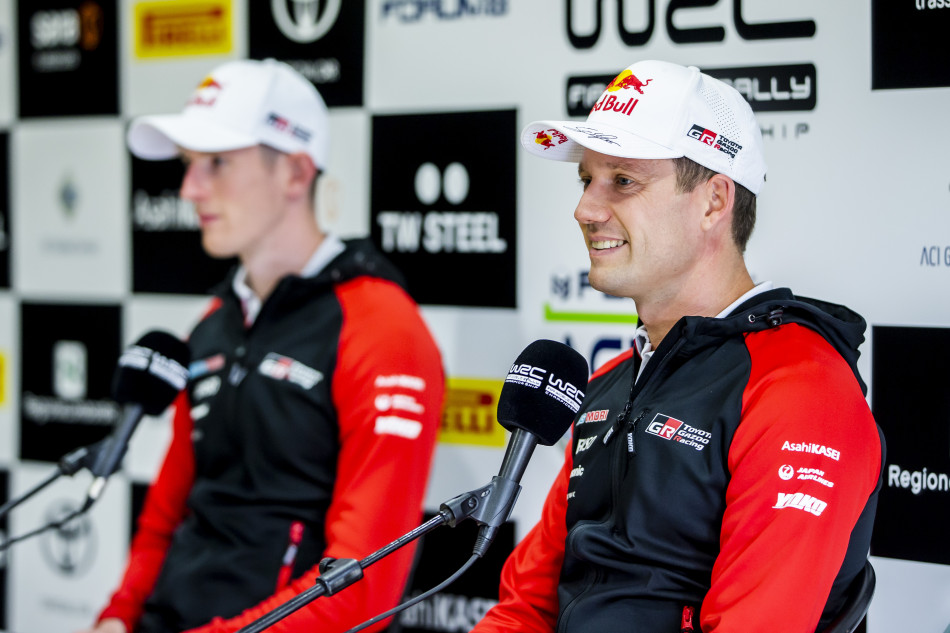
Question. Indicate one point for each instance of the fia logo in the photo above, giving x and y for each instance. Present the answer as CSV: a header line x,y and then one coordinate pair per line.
x,y
304,23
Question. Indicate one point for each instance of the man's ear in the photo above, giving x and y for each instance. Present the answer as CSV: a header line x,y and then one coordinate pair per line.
x,y
719,195
301,174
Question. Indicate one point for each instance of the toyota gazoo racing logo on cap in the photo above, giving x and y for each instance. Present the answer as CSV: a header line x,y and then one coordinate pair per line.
x,y
610,102
282,124
546,138
714,140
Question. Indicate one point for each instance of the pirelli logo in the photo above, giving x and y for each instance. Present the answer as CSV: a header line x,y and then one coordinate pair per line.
x,y
177,28
469,413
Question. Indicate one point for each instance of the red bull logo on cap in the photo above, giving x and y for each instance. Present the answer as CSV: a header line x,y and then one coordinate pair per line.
x,y
546,138
626,80
206,92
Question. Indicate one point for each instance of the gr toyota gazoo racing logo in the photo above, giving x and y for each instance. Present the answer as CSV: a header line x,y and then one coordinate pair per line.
x,y
283,368
718,141
668,428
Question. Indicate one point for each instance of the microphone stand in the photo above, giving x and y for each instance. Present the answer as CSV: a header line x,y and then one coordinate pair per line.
x,y
489,505
70,464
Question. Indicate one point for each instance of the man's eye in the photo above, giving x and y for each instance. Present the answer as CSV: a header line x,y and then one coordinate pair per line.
x,y
624,181
217,161
584,182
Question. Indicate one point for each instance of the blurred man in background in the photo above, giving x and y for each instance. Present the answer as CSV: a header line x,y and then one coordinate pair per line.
x,y
723,474
309,421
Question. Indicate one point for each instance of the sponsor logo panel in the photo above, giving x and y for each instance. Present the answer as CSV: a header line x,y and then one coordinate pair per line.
x,y
323,40
469,415
910,377
5,232
645,13
182,28
68,57
466,601
443,205
908,43
782,88
167,256
68,359
414,11
4,557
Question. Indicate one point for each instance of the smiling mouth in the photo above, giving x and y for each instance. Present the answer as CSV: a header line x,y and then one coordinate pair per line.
x,y
605,244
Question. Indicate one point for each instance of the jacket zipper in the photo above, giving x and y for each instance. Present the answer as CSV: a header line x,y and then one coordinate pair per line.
x,y
290,555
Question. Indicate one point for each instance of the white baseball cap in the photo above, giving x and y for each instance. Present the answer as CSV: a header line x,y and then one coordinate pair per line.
x,y
655,109
241,104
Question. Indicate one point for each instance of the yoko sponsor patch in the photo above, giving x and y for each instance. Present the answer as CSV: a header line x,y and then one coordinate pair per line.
x,y
800,501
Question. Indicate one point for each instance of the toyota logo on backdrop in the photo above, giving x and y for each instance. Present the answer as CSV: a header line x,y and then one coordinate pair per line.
x,y
70,548
302,21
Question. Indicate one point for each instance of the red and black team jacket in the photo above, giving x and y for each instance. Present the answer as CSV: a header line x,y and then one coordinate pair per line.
x,y
732,488
308,434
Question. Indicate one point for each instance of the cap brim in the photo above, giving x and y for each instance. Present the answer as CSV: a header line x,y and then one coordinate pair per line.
x,y
566,141
158,137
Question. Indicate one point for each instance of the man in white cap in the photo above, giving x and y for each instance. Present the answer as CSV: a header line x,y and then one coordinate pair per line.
x,y
723,474
309,421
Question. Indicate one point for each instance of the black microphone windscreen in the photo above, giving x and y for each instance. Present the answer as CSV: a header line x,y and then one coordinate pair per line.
x,y
543,390
152,372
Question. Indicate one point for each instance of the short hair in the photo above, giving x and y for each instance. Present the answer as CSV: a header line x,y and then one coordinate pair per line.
x,y
690,174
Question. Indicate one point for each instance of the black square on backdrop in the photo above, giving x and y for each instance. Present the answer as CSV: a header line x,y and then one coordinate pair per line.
x,y
909,44
4,497
327,46
6,233
67,57
167,256
911,403
443,204
68,356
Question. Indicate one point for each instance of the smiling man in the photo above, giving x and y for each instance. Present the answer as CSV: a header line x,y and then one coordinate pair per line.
x,y
308,424
724,473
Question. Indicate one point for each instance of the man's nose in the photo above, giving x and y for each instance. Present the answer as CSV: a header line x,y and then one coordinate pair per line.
x,y
591,209
193,184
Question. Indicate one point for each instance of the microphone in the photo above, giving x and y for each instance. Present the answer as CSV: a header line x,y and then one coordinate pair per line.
x,y
149,375
539,400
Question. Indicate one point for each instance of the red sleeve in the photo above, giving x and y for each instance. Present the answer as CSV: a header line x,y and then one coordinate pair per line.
x,y
527,598
163,510
804,460
387,389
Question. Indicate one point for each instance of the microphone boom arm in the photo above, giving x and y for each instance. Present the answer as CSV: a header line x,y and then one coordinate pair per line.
x,y
338,574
